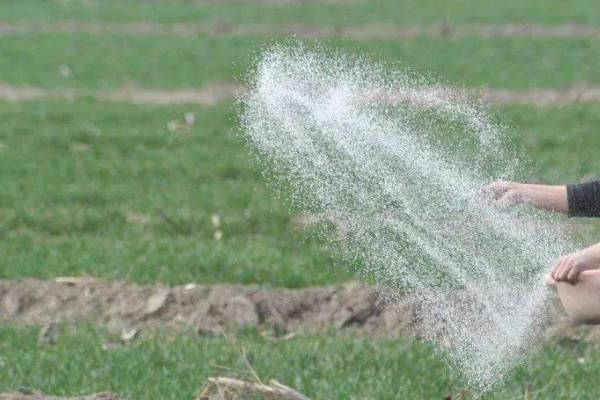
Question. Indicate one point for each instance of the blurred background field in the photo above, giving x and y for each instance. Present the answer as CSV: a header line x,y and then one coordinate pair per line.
x,y
166,193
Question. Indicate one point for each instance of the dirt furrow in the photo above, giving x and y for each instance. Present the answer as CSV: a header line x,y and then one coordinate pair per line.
x,y
215,93
578,93
209,95
131,309
361,32
26,394
205,309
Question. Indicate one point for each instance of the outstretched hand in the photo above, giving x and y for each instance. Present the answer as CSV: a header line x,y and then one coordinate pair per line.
x,y
504,192
507,193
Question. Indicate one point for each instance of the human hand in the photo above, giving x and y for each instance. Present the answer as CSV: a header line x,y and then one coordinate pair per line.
x,y
569,267
506,193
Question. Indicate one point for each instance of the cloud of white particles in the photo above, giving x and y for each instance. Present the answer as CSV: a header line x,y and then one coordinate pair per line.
x,y
395,165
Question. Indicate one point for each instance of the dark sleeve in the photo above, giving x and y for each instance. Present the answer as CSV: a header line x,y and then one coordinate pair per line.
x,y
584,199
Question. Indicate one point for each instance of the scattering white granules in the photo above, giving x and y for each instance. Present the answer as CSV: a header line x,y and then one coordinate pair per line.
x,y
395,165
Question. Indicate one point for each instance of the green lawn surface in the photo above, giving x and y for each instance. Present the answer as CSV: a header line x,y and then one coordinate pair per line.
x,y
116,60
74,178
334,12
107,190
333,366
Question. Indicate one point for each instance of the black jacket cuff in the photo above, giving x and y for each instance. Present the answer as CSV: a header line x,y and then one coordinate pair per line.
x,y
584,199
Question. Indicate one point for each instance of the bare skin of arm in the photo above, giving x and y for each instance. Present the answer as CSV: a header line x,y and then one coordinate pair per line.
x,y
554,198
549,197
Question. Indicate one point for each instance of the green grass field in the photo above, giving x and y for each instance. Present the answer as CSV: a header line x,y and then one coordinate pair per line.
x,y
89,188
334,366
325,13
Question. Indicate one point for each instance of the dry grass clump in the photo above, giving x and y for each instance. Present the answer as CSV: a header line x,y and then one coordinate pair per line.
x,y
222,388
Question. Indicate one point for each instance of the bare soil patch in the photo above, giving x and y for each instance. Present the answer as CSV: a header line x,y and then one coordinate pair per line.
x,y
131,309
204,309
217,92
210,95
360,32
25,394
579,93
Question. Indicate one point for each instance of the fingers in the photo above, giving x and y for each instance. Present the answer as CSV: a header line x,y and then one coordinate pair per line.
x,y
565,270
509,198
504,193
554,270
572,275
558,270
496,190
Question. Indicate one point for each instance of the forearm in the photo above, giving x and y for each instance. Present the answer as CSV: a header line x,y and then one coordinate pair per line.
x,y
545,196
579,200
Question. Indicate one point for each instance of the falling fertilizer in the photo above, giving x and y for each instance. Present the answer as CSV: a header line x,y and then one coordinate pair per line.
x,y
394,165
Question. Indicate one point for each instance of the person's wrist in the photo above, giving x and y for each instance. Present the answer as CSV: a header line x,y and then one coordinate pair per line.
x,y
521,191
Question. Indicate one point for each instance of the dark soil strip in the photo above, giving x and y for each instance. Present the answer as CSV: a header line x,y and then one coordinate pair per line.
x,y
25,394
209,95
205,309
220,91
361,32
131,309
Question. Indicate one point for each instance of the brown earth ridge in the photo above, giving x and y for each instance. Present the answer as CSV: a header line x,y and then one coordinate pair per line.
x,y
214,309
359,32
217,92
